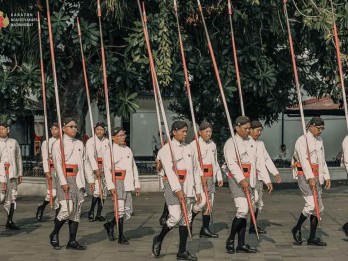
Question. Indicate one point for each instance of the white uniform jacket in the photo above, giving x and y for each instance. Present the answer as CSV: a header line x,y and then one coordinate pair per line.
x,y
317,155
44,153
74,154
265,161
10,152
247,149
102,149
186,159
345,152
209,156
124,160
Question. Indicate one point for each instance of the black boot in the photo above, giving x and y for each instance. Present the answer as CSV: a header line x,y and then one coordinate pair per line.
x,y
91,211
109,227
242,247
121,239
230,246
10,224
182,253
40,210
157,240
345,229
234,229
54,236
205,231
164,217
312,240
73,244
296,230
99,217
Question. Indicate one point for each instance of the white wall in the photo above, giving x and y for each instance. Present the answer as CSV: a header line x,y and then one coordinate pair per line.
x,y
335,131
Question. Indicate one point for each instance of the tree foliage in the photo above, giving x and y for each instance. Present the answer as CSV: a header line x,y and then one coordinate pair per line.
x,y
262,49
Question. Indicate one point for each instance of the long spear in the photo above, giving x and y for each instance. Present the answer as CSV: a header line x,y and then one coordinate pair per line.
x,y
223,98
339,61
49,181
188,89
53,62
153,70
107,105
299,97
230,10
89,105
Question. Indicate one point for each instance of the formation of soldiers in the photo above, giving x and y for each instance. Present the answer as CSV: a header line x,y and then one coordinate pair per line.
x,y
184,180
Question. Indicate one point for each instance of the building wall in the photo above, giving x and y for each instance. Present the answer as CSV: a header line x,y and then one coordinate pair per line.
x,y
143,125
335,131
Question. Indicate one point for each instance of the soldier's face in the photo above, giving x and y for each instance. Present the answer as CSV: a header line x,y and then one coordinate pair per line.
x,y
120,138
70,129
243,130
55,132
316,130
206,134
180,135
99,131
4,132
256,133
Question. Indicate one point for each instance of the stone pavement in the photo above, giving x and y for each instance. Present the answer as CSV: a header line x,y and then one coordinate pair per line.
x,y
282,208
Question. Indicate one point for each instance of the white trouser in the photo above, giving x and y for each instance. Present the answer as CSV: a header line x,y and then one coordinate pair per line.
x,y
74,212
242,207
198,207
258,200
176,216
309,208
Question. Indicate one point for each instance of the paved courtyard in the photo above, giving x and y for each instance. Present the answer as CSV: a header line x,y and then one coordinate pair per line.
x,y
280,213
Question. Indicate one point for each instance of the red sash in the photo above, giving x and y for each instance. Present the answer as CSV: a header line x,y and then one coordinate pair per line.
x,y
120,174
315,169
71,170
208,170
246,170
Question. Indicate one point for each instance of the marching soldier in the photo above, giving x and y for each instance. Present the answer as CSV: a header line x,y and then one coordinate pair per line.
x,y
183,185
127,180
311,171
11,172
262,176
71,187
211,174
97,150
240,181
49,171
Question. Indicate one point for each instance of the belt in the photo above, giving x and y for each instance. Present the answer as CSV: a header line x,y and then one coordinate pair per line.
x,y
100,163
7,168
181,174
314,166
71,170
120,174
246,170
208,170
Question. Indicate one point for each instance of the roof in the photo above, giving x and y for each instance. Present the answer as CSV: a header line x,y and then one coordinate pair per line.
x,y
316,106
